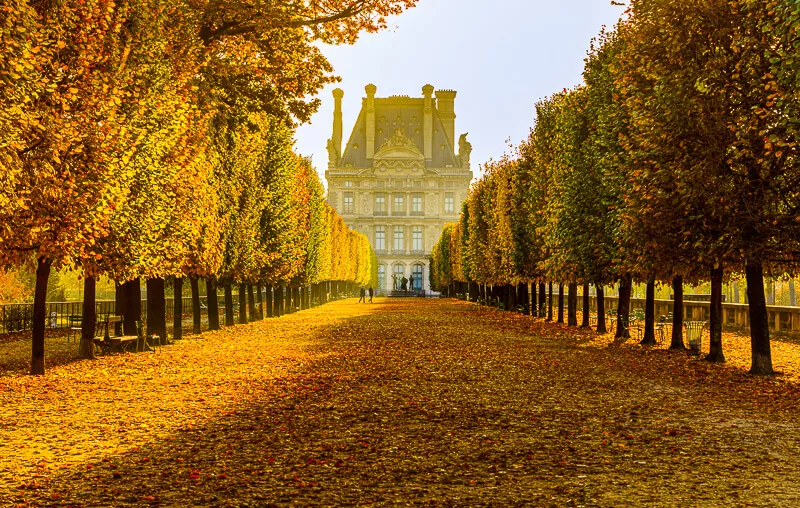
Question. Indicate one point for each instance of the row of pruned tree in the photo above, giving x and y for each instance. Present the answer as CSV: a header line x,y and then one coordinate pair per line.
x,y
676,161
146,139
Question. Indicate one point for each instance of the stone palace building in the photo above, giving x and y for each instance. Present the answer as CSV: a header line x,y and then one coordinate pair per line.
x,y
398,179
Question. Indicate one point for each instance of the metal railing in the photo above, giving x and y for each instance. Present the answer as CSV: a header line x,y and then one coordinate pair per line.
x,y
17,317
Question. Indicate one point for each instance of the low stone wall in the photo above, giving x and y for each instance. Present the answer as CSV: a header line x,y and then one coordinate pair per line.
x,y
735,316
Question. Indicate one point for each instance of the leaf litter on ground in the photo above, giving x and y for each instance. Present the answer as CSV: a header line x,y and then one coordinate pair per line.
x,y
404,401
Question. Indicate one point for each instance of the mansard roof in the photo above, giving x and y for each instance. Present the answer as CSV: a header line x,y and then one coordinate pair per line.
x,y
391,114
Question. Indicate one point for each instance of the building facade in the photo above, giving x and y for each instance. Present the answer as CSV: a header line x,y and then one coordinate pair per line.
x,y
399,179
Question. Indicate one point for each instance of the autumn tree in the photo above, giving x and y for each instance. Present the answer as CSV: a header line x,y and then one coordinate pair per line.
x,y
73,164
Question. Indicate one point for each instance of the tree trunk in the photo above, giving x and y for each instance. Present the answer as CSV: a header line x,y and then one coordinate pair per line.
x,y
542,298
649,338
585,320
524,297
623,309
550,301
39,316
228,291
560,303
279,301
213,304
677,314
260,301
196,317
270,309
177,308
251,301
132,312
572,305
601,309
89,318
242,304
715,353
156,308
759,322
534,309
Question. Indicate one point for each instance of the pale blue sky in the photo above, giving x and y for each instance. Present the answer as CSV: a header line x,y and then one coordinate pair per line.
x,y
500,56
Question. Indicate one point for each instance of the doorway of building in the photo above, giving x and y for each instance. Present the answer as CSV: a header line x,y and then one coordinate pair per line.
x,y
381,276
398,271
418,271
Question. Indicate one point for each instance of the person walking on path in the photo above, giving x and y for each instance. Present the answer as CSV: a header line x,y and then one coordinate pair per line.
x,y
363,297
371,292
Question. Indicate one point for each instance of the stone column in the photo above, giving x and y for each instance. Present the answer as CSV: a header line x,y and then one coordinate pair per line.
x,y
337,120
445,100
427,125
370,89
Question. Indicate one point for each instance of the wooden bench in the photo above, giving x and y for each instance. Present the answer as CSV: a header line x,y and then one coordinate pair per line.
x,y
118,344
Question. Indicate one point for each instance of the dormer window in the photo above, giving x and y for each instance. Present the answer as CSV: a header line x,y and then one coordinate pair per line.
x,y
348,184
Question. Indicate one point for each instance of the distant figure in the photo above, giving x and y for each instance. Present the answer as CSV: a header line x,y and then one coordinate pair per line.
x,y
404,284
363,297
371,293
411,283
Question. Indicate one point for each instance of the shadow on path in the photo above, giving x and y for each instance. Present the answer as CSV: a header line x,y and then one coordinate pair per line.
x,y
431,401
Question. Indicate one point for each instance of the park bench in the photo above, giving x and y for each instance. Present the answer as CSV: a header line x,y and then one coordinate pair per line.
x,y
117,344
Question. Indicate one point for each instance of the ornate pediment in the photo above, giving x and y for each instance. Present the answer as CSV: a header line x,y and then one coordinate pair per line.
x,y
399,147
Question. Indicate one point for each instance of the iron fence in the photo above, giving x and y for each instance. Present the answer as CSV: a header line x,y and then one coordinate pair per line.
x,y
17,317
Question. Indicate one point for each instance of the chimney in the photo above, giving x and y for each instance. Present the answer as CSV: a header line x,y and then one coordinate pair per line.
x,y
337,120
370,89
445,100
427,127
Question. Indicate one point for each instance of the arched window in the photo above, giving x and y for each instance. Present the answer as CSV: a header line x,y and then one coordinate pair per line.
x,y
398,271
418,272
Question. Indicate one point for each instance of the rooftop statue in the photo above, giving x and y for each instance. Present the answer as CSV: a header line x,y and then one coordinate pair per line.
x,y
464,150
333,154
